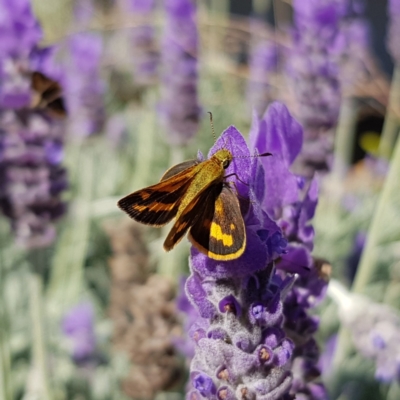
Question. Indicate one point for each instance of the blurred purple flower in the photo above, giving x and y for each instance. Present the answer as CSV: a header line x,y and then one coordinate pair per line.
x,y
84,88
180,108
31,177
263,63
31,150
394,30
19,30
83,12
375,329
314,74
78,327
326,360
20,34
291,201
116,130
15,83
350,46
352,49
145,55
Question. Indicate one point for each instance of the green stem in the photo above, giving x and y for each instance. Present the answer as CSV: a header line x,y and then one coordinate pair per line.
x,y
340,295
384,225
344,138
392,294
394,391
391,125
5,354
144,154
374,261
218,14
66,279
39,357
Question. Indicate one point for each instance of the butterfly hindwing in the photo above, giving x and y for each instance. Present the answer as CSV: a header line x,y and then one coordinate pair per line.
x,y
158,204
220,232
176,169
188,217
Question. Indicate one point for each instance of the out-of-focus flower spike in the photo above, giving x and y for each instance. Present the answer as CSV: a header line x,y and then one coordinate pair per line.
x,y
314,74
375,329
179,108
31,140
20,30
83,12
292,205
263,64
145,54
139,302
84,87
31,177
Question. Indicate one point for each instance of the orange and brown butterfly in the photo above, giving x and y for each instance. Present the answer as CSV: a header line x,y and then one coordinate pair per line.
x,y
47,95
197,194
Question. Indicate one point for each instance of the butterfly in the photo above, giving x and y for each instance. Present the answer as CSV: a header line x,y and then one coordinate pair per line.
x,y
47,95
197,194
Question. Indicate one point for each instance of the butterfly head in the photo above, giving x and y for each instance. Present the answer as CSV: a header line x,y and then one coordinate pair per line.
x,y
223,157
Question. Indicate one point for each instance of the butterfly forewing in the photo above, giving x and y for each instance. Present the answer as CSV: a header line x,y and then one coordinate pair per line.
x,y
220,232
156,205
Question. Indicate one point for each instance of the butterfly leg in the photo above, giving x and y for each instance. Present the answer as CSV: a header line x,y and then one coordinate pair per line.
x,y
238,194
236,190
235,174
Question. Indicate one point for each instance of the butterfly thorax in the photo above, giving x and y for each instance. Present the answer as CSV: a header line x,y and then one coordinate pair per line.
x,y
222,157
210,173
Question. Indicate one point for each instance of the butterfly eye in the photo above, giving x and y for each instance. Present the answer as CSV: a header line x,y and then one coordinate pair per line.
x,y
225,164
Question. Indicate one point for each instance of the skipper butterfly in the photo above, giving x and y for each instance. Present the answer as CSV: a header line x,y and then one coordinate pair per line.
x,y
195,194
199,197
48,95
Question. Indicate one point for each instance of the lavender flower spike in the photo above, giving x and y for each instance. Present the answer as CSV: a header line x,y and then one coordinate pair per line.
x,y
31,177
263,63
180,108
20,34
31,141
314,75
375,329
145,55
241,351
84,87
291,201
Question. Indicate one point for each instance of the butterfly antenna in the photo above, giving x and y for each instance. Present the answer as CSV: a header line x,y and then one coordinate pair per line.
x,y
256,155
212,125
